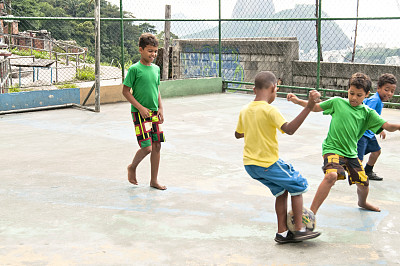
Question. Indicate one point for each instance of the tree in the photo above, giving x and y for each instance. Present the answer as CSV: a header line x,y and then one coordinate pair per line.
x,y
83,31
146,27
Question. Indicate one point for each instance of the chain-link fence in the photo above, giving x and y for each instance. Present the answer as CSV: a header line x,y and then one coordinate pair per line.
x,y
232,39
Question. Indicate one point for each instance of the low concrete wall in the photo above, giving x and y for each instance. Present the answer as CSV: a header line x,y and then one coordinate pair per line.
x,y
184,87
33,99
168,88
108,94
242,58
336,75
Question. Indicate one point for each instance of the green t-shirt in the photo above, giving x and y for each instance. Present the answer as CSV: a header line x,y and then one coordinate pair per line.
x,y
144,81
347,126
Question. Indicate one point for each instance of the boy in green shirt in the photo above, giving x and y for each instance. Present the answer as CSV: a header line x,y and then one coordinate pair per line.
x,y
350,119
143,79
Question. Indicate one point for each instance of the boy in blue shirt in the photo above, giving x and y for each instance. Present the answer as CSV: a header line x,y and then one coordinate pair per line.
x,y
143,78
368,142
350,119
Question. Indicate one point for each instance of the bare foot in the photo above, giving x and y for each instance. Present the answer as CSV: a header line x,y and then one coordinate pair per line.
x,y
132,174
370,207
158,186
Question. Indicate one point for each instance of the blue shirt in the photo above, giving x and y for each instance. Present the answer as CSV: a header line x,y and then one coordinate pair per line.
x,y
374,102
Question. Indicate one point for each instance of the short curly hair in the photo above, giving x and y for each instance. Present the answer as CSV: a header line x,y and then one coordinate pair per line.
x,y
361,81
386,78
147,39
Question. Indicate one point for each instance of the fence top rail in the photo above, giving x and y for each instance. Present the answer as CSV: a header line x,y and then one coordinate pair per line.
x,y
55,42
78,53
290,87
211,20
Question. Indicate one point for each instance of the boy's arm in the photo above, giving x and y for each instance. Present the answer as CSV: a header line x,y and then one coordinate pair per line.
x,y
382,135
160,109
126,91
291,127
294,99
239,135
391,127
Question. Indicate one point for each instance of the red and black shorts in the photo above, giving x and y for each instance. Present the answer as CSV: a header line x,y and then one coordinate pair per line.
x,y
148,130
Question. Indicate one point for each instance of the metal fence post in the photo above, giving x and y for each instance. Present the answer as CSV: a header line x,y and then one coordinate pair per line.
x,y
167,36
56,54
122,41
319,46
219,40
97,56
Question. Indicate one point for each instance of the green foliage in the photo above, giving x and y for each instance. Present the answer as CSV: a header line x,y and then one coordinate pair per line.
x,y
85,73
83,31
160,38
66,86
14,88
37,54
128,64
89,59
21,52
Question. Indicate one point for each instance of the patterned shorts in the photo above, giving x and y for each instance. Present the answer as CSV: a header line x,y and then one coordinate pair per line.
x,y
341,165
148,130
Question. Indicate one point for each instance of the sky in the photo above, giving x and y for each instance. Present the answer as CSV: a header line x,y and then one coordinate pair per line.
x,y
372,32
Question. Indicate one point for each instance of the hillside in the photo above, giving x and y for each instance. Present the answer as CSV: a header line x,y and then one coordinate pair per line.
x,y
303,30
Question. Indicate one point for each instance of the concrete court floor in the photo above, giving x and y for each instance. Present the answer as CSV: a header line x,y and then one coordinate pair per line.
x,y
65,199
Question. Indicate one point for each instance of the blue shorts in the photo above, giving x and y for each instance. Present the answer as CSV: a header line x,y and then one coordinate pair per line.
x,y
366,145
279,177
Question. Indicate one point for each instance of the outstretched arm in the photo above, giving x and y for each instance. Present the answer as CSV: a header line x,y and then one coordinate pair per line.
x,y
291,127
294,99
391,127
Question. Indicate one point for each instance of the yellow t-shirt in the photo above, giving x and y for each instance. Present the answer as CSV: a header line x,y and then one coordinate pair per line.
x,y
258,122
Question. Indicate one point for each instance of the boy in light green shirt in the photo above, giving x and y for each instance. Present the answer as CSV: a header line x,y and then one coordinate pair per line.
x,y
350,119
143,79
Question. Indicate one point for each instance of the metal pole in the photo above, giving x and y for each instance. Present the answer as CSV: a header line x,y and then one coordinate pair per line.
x,y
219,40
97,56
319,46
121,13
56,54
167,36
353,54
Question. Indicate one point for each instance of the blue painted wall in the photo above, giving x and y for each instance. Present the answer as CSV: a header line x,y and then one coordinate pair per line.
x,y
200,63
32,99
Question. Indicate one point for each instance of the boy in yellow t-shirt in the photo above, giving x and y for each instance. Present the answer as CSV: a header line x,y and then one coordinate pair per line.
x,y
258,124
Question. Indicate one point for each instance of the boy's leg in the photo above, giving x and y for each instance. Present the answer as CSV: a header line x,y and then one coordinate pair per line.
x,y
373,157
357,176
372,146
362,192
297,208
142,132
139,156
155,163
323,191
281,212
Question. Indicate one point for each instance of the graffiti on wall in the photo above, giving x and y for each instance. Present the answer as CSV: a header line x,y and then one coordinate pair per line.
x,y
204,62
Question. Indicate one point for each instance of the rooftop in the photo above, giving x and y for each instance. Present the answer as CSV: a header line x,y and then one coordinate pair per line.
x,y
65,198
